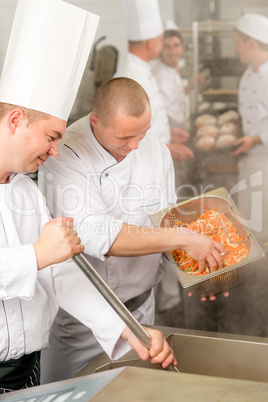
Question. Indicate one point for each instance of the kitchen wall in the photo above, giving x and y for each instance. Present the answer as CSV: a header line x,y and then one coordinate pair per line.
x,y
7,10
232,9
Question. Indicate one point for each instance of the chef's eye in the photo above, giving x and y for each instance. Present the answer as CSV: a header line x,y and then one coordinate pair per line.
x,y
51,138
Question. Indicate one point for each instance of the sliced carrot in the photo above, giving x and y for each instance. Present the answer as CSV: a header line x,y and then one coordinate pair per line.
x,y
219,228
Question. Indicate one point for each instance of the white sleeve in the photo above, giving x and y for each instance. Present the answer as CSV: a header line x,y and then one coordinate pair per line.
x,y
78,297
263,120
18,272
172,99
18,263
74,192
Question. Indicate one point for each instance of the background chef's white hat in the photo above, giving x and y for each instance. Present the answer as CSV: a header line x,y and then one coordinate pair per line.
x,y
171,26
254,25
47,53
143,20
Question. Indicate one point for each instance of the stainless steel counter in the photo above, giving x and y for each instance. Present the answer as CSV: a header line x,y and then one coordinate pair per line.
x,y
135,384
142,385
204,353
213,368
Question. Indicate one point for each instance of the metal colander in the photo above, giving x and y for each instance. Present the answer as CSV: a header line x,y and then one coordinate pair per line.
x,y
188,211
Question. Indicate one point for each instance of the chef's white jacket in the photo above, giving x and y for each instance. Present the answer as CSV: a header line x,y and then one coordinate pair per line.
x,y
172,90
30,298
141,71
86,182
253,105
253,166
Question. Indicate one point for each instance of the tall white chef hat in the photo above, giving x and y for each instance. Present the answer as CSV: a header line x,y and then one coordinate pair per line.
x,y
47,53
143,20
171,26
254,25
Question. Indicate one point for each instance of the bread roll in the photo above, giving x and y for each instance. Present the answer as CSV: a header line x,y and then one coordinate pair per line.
x,y
204,119
225,141
229,128
230,115
205,143
209,130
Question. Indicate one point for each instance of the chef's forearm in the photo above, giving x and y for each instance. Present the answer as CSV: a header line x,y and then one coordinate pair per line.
x,y
139,240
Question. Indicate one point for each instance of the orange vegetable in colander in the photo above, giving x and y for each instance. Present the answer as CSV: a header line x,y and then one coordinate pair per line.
x,y
218,227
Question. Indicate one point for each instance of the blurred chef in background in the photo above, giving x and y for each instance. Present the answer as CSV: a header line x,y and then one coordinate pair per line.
x,y
251,39
145,40
166,72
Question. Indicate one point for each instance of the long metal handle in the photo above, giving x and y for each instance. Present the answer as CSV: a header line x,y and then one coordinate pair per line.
x,y
115,303
113,300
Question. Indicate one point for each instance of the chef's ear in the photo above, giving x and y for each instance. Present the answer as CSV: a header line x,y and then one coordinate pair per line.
x,y
14,119
253,43
93,119
150,43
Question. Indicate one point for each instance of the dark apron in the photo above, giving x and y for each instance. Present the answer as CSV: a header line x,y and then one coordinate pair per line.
x,y
15,373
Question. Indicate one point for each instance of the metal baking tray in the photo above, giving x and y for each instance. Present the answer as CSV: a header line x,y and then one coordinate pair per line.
x,y
220,95
190,210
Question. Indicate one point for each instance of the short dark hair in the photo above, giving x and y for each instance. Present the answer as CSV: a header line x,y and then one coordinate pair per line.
x,y
133,43
173,32
119,95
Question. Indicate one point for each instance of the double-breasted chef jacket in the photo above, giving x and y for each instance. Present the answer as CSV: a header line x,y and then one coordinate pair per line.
x,y
253,166
253,105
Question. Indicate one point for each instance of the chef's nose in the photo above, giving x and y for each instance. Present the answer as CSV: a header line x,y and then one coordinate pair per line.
x,y
134,143
53,151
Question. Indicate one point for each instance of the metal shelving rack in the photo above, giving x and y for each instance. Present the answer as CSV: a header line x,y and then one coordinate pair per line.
x,y
209,29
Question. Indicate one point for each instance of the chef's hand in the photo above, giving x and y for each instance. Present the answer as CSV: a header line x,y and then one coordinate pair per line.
x,y
180,152
245,144
160,351
203,249
190,86
179,135
57,243
199,78
211,298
